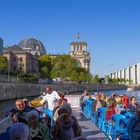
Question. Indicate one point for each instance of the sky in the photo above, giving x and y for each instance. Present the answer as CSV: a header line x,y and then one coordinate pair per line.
x,y
111,28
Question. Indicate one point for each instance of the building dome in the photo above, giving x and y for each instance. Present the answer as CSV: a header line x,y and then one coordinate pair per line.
x,y
33,46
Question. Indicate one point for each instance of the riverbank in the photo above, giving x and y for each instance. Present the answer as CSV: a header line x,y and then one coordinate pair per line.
x,y
10,91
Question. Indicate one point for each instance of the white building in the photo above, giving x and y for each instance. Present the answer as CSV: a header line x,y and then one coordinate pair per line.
x,y
130,74
78,50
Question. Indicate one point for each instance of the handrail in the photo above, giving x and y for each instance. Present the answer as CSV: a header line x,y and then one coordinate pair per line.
x,y
3,120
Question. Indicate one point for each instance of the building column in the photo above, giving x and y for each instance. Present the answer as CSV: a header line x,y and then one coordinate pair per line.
x,y
136,74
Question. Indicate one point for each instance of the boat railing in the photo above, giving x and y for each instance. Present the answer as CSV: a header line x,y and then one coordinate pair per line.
x,y
4,123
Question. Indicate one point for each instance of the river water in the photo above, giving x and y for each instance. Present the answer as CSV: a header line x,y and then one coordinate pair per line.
x,y
6,105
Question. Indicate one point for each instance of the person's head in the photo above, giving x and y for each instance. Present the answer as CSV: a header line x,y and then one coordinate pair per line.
x,y
19,131
86,92
103,95
64,101
111,103
133,100
113,95
97,96
20,105
118,100
33,119
65,118
48,90
138,112
26,102
65,108
61,94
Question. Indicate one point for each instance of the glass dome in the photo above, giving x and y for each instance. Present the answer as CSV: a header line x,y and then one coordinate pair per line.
x,y
32,46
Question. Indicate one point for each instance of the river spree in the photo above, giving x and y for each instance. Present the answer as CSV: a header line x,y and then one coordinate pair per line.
x,y
6,105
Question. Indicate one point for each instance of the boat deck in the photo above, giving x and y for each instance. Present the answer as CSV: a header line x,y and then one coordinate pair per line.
x,y
90,130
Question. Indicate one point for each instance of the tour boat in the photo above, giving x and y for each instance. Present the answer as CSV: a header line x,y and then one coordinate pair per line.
x,y
117,129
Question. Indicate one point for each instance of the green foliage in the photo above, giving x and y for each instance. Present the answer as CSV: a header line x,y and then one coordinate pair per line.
x,y
95,79
67,67
3,63
45,66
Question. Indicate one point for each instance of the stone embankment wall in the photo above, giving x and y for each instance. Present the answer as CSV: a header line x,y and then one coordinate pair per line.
x,y
19,90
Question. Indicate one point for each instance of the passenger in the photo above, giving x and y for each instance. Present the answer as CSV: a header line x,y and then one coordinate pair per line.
x,y
133,127
85,96
37,130
66,126
110,110
19,131
95,105
125,100
133,105
112,97
103,97
27,104
19,114
63,105
119,108
50,98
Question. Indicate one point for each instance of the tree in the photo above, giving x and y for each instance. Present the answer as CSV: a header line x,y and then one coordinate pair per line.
x,y
95,79
3,63
45,66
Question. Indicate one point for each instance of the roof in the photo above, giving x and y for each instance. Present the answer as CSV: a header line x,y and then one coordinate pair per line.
x,y
14,49
78,43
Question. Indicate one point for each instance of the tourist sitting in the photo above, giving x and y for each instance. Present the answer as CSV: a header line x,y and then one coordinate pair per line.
x,y
19,114
96,104
19,131
103,97
66,126
125,100
112,97
63,104
110,110
133,127
119,108
133,105
37,130
85,96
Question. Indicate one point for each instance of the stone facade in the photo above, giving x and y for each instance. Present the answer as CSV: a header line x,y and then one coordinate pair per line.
x,y
19,60
78,50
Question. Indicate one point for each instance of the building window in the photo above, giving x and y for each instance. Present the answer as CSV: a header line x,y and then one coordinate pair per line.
x,y
74,48
80,48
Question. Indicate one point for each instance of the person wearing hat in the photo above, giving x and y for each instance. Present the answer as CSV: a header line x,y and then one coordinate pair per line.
x,y
133,127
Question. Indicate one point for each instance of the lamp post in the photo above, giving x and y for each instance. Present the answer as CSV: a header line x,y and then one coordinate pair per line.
x,y
9,70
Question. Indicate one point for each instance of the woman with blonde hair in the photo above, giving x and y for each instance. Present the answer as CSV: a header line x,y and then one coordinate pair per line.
x,y
119,106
